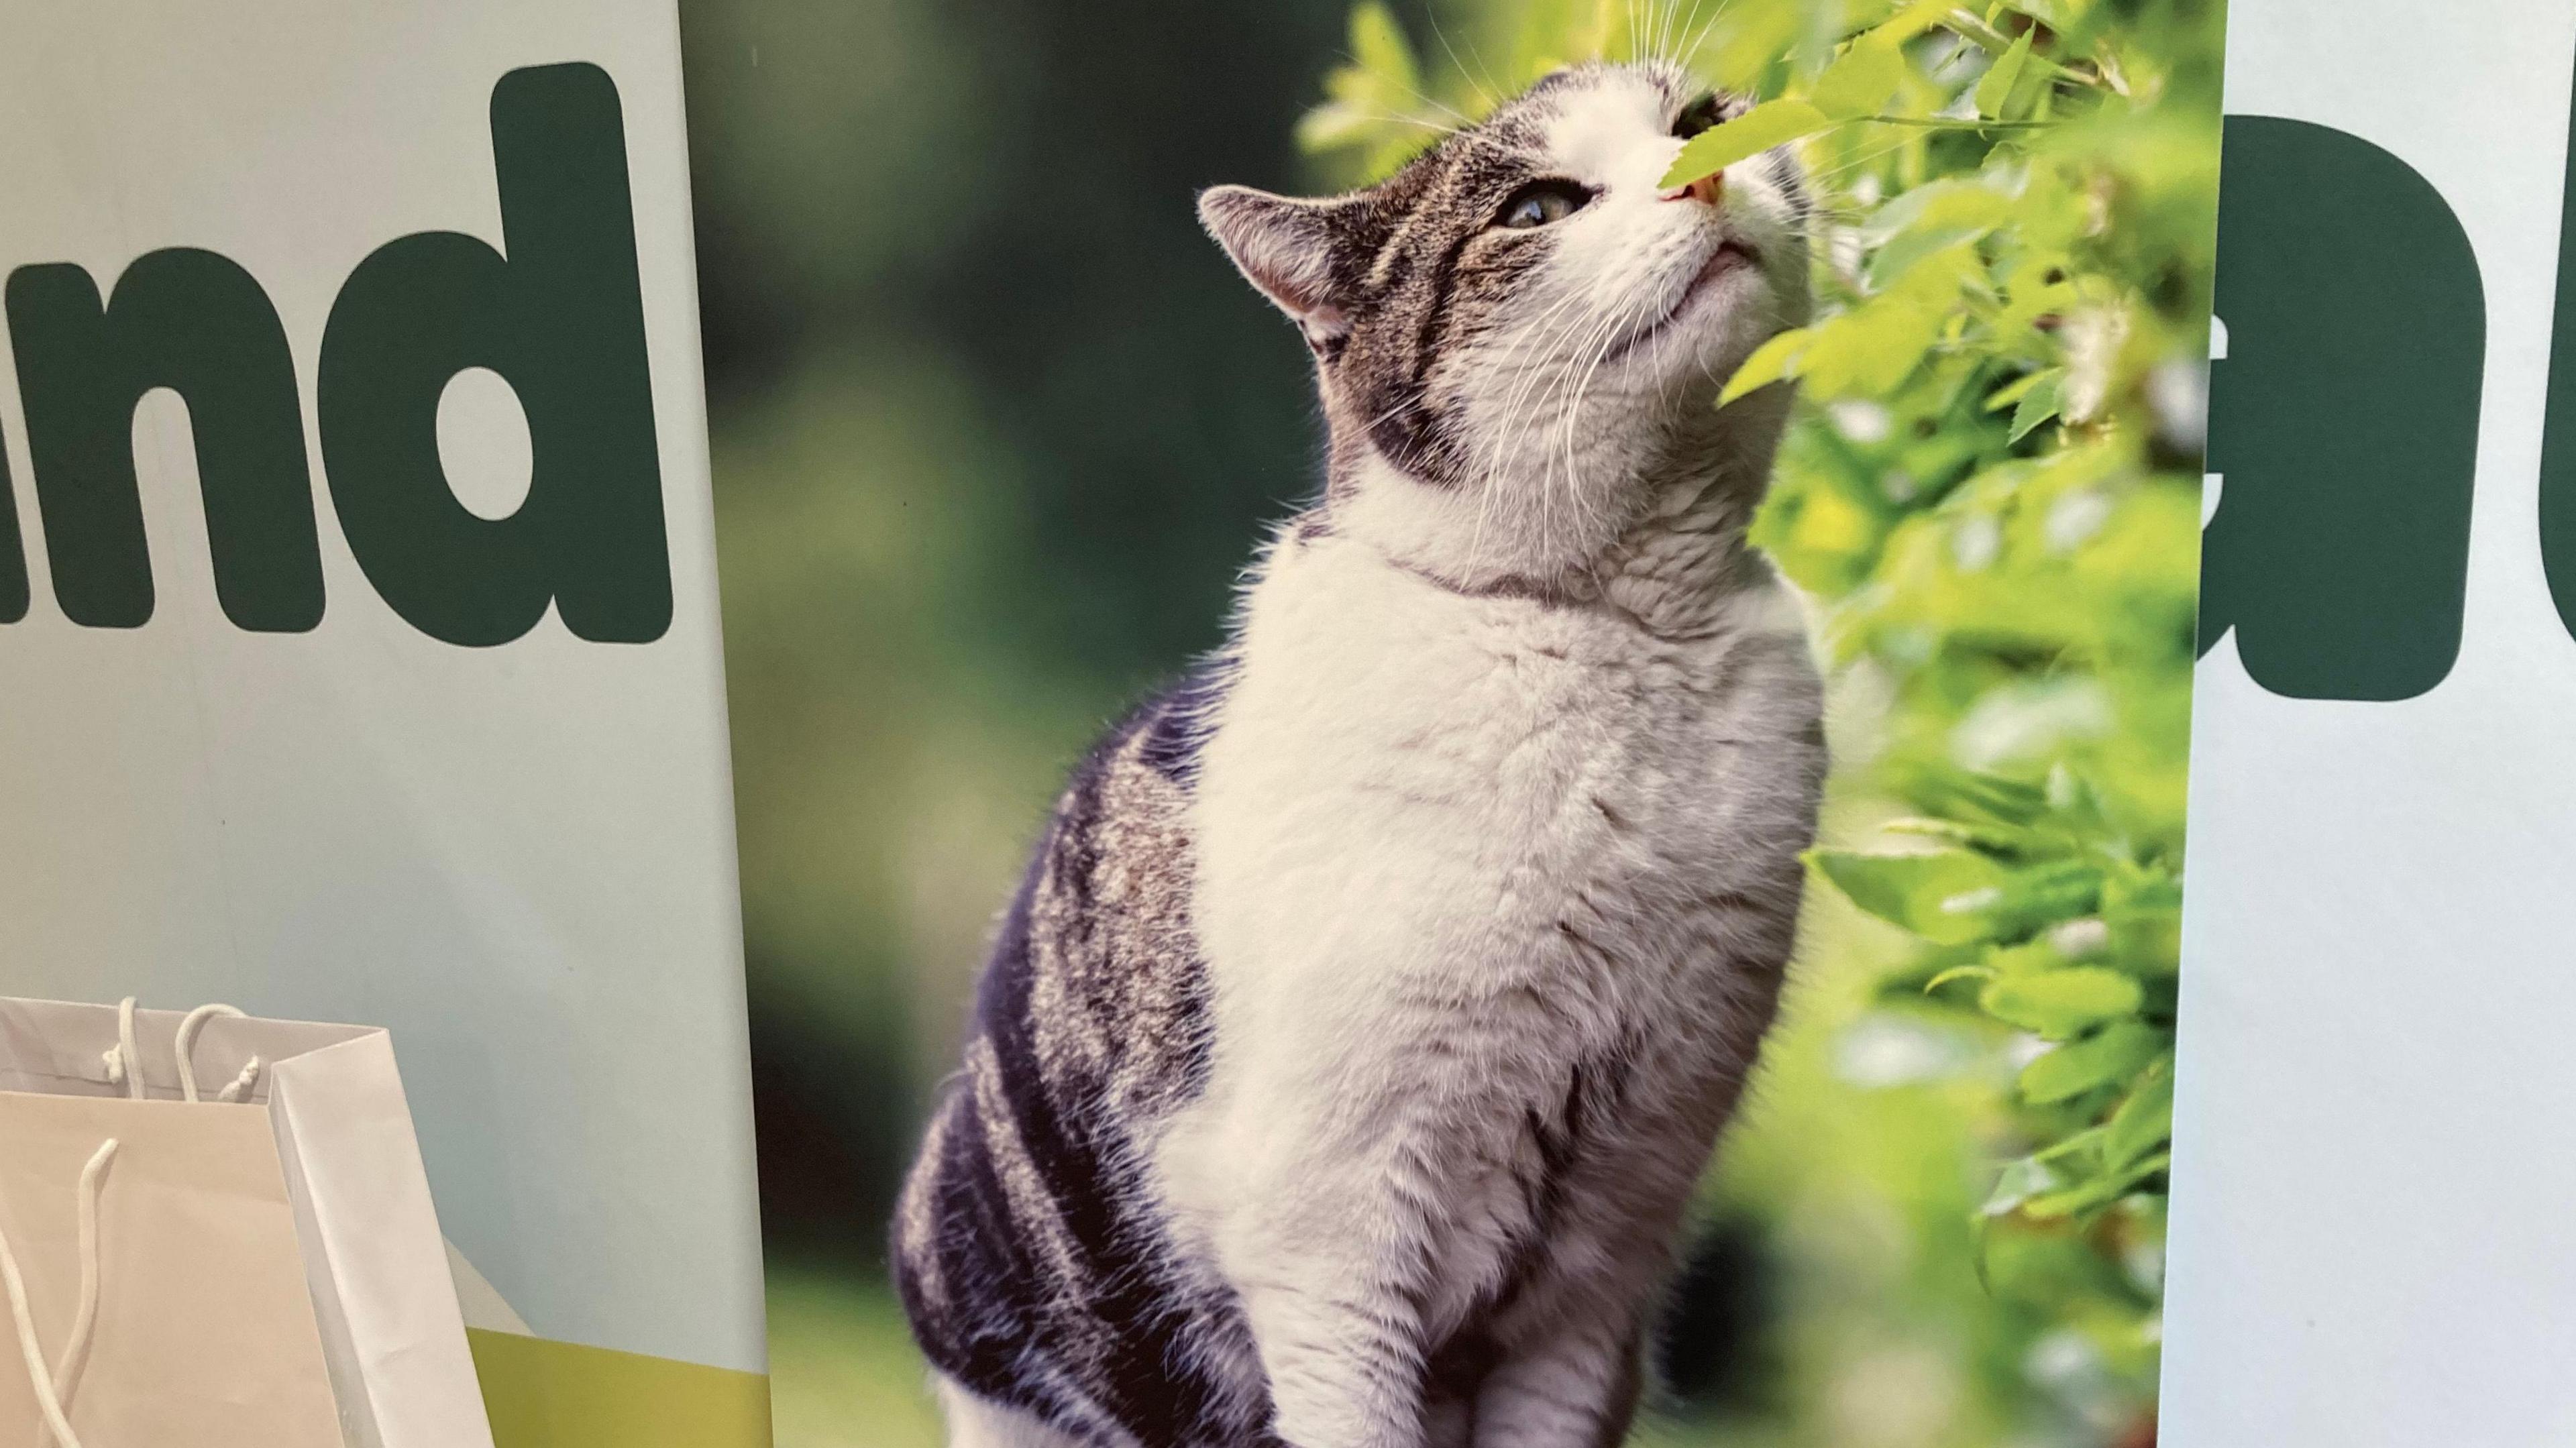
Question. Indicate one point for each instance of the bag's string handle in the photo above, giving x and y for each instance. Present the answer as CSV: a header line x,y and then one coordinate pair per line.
x,y
54,1388
120,1057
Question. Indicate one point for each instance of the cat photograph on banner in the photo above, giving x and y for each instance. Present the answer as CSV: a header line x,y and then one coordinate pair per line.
x,y
1461,724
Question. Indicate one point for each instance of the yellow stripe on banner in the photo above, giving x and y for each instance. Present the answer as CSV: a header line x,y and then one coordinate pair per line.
x,y
555,1395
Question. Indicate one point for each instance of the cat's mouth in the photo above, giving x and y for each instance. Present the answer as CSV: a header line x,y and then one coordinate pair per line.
x,y
1731,256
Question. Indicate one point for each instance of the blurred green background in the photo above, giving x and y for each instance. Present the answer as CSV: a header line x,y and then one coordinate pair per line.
x,y
996,428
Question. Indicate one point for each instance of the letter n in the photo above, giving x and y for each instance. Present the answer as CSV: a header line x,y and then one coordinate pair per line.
x,y
197,324
561,319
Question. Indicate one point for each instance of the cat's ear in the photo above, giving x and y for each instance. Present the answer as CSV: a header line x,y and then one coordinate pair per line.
x,y
1290,249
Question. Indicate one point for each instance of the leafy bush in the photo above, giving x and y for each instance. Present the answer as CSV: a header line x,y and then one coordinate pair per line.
x,y
1991,496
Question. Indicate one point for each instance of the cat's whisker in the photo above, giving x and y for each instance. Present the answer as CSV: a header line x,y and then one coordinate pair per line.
x,y
1529,375
1691,50
1464,121
1452,135
1581,393
1535,421
1827,177
1515,422
1823,178
1493,86
1682,51
1485,92
1599,335
1566,405
1678,50
1391,414
1439,128
1510,422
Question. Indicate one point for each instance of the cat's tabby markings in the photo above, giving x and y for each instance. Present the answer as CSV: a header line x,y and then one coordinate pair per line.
x,y
1376,996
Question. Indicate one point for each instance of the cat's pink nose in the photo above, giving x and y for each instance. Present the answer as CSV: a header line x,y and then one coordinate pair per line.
x,y
1706,190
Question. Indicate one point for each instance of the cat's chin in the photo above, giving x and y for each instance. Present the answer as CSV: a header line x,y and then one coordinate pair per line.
x,y
1725,283
1721,332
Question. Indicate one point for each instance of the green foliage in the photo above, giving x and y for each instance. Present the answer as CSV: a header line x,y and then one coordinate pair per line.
x,y
1991,496
1772,123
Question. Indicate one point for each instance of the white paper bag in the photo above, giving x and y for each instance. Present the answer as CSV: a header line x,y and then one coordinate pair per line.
x,y
155,1288
376,1268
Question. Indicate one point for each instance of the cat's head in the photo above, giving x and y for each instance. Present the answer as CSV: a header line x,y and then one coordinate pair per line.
x,y
1520,336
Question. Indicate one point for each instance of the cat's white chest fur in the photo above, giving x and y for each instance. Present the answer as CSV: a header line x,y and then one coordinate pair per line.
x,y
1453,851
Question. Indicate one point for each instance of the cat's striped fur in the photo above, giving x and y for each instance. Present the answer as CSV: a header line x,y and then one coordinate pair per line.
x,y
1035,1265
1375,997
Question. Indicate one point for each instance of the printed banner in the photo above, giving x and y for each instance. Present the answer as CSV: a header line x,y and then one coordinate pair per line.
x,y
359,632
2370,1238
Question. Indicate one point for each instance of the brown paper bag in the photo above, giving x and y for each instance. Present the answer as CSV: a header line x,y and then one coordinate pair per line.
x,y
204,1332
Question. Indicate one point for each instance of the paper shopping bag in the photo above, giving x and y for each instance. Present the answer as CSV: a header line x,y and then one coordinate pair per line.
x,y
330,1098
203,1331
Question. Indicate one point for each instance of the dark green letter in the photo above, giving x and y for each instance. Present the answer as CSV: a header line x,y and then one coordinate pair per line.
x,y
2345,418
2558,440
13,557
562,319
199,325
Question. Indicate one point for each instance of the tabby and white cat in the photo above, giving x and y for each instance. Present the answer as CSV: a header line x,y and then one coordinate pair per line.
x,y
1345,1064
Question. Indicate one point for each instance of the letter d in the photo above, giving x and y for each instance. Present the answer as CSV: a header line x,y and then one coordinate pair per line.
x,y
561,318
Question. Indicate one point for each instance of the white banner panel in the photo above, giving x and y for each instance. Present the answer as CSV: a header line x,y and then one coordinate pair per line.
x,y
2372,1239
368,669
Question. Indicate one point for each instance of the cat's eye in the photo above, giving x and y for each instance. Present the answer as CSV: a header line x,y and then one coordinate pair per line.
x,y
1542,202
1698,116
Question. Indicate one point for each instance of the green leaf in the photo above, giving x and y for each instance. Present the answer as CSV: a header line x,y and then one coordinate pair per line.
x,y
1378,46
2113,1056
2045,400
1336,125
2143,1122
2102,1191
2065,1179
2021,1180
1958,972
2082,1151
2000,840
1774,361
2066,17
2049,891
2032,957
2060,1004
1946,897
1929,219
1861,81
1375,103
1871,349
1772,123
1995,796
2015,390
1912,21
1994,93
